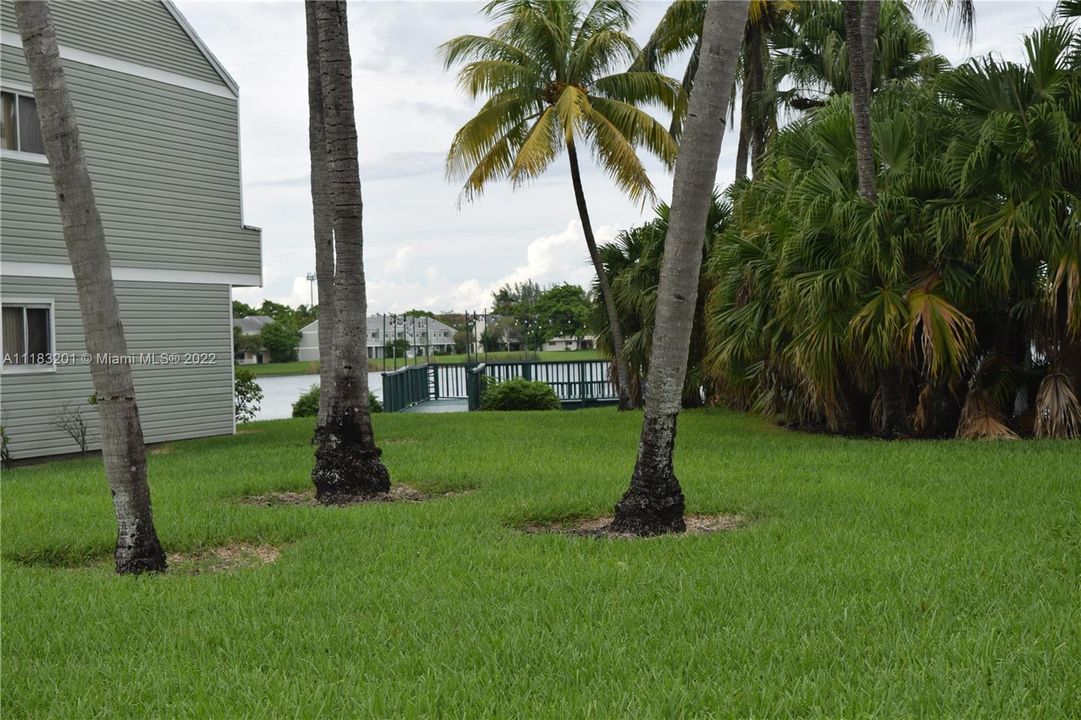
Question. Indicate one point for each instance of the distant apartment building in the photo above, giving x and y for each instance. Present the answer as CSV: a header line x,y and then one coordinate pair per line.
x,y
424,335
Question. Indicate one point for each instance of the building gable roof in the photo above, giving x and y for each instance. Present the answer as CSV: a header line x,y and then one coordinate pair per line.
x,y
198,41
252,324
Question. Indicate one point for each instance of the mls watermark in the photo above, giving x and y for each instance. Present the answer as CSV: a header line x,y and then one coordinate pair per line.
x,y
85,358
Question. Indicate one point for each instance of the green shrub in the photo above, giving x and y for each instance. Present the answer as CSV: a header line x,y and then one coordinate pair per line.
x,y
246,391
519,394
307,405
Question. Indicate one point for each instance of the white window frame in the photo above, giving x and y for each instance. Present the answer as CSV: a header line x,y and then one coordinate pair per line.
x,y
20,90
31,368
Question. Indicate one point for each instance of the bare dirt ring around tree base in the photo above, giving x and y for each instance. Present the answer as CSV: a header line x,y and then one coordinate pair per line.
x,y
398,493
228,557
598,527
223,558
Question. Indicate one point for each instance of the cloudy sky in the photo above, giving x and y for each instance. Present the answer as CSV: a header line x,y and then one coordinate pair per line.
x,y
421,249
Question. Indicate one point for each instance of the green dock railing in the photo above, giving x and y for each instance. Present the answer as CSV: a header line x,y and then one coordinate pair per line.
x,y
577,383
406,387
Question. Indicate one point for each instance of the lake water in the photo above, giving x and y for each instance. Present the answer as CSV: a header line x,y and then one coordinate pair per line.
x,y
281,391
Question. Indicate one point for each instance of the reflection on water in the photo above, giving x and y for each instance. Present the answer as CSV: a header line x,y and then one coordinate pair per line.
x,y
281,391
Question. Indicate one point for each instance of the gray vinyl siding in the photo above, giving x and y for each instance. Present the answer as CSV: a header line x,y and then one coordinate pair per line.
x,y
166,170
175,401
143,32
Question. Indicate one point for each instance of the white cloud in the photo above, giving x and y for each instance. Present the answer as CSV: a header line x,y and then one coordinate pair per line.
x,y
398,263
421,250
562,257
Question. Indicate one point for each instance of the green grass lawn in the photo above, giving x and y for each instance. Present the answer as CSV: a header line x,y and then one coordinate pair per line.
x,y
297,367
888,580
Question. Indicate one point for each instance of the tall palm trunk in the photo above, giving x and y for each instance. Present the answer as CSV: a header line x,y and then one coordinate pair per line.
x,y
623,376
323,215
347,461
751,135
891,388
858,15
137,546
861,27
654,502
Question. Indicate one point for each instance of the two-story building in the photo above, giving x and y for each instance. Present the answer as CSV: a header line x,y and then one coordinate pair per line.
x,y
157,114
424,336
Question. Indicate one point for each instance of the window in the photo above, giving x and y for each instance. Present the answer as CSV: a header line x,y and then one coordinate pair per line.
x,y
20,128
27,334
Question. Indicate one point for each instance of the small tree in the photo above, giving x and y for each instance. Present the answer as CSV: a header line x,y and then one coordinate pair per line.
x,y
396,348
281,340
242,309
246,342
71,421
563,310
247,394
490,338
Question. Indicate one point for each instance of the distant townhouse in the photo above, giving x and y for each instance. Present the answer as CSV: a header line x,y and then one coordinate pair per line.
x,y
570,342
251,325
423,335
158,117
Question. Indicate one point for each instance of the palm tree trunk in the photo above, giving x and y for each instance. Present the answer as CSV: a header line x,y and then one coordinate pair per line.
x,y
623,377
347,461
653,504
891,388
750,136
322,214
859,79
872,9
137,546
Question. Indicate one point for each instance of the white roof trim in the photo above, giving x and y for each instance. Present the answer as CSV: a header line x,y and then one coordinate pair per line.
x,y
63,271
187,28
129,68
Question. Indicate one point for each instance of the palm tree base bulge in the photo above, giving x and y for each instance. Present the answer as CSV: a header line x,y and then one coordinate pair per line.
x,y
141,554
345,469
653,505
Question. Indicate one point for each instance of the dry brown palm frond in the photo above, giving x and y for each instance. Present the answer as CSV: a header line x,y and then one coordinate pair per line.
x,y
923,419
1058,413
982,419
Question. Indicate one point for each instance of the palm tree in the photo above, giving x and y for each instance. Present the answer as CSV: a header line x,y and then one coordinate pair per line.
x,y
137,547
1015,165
348,464
680,29
322,212
653,504
549,72
861,18
809,64
960,284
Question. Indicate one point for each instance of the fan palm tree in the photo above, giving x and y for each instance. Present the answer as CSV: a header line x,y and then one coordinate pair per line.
x,y
551,71
954,299
633,263
1016,164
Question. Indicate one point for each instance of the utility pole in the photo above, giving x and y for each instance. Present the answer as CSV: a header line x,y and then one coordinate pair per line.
x,y
311,290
